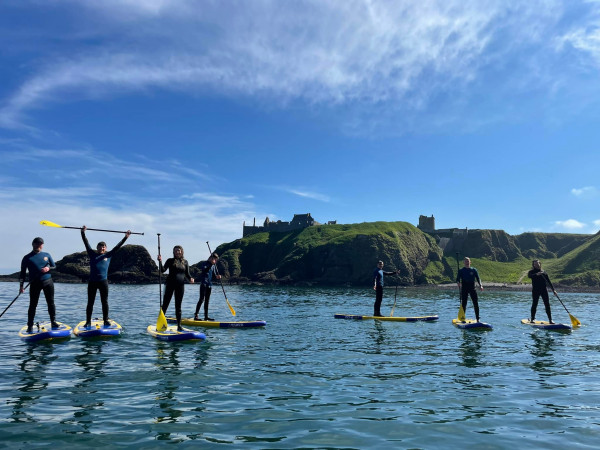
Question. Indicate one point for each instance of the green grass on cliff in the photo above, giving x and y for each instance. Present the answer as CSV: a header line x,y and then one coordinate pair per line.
x,y
494,271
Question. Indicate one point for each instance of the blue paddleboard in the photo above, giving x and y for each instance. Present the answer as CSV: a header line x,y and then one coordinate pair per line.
x,y
97,329
43,331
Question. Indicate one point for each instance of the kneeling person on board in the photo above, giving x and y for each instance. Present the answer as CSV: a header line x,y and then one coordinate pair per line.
x,y
179,271
99,262
539,283
378,274
38,263
468,275
207,269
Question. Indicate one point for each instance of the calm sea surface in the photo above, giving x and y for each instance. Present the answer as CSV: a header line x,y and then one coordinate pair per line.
x,y
306,379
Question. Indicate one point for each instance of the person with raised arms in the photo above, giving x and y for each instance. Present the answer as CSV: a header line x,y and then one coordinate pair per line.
x,y
539,287
207,271
378,274
38,263
468,275
179,271
99,262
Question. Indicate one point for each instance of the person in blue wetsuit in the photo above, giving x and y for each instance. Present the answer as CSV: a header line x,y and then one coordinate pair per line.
x,y
465,278
99,262
378,274
208,269
179,271
38,263
539,287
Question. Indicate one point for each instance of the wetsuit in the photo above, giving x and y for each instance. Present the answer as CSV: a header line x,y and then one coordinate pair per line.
x,y
378,277
468,275
207,270
38,281
539,283
179,270
98,281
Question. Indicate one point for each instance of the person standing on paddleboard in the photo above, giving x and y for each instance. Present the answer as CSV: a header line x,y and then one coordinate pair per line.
x,y
207,269
378,274
99,262
38,263
468,275
179,271
539,283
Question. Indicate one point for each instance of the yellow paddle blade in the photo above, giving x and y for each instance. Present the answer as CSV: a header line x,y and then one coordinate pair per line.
x,y
161,322
50,224
230,307
574,321
461,313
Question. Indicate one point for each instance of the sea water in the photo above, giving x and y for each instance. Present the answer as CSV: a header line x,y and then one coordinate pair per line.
x,y
306,379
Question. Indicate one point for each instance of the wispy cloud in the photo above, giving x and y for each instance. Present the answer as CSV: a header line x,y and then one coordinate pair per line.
x,y
401,55
588,191
309,194
570,224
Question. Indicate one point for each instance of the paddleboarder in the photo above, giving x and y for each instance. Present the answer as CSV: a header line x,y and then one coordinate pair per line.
x,y
378,274
38,263
539,287
179,271
465,278
99,262
208,269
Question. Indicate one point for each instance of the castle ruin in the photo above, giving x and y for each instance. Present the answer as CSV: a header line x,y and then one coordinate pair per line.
x,y
298,222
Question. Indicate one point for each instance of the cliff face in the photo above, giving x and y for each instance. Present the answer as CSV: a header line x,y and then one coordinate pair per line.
x,y
331,254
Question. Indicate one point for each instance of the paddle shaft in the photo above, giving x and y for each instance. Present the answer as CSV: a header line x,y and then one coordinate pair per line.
x,y
159,274
98,229
11,303
222,287
395,297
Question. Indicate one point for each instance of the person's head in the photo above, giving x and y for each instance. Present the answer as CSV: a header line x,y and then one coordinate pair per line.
x,y
213,258
536,264
178,251
380,264
37,243
101,247
467,261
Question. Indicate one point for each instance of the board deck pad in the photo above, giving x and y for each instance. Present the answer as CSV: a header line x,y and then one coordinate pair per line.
x,y
171,334
43,331
218,324
387,318
471,324
547,325
97,329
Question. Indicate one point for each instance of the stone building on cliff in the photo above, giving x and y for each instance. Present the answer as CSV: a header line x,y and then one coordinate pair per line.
x,y
298,222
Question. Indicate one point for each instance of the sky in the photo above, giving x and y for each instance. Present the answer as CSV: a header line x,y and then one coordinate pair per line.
x,y
187,118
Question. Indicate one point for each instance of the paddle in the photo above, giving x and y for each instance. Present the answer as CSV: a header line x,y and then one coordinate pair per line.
x,y
222,287
574,321
6,309
55,225
461,311
395,296
161,321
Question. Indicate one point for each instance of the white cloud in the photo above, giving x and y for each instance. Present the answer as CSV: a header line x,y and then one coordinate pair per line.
x,y
402,54
309,194
570,224
584,191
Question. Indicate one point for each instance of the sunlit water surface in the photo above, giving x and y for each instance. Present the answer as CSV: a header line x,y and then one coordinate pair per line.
x,y
306,379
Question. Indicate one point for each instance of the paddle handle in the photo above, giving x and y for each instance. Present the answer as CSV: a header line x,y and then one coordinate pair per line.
x,y
11,303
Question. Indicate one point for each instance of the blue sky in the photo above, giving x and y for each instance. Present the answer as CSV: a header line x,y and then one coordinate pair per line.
x,y
189,117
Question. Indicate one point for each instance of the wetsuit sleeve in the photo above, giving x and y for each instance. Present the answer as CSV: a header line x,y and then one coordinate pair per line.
x,y
531,274
167,265
477,276
187,271
85,242
458,276
117,247
23,270
547,278
51,263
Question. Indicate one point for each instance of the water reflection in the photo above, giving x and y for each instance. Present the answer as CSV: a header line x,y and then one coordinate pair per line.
x,y
378,334
470,349
32,380
86,396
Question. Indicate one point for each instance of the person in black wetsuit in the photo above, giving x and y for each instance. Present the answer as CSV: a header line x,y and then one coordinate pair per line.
x,y
378,274
208,269
539,283
99,262
179,271
38,263
468,275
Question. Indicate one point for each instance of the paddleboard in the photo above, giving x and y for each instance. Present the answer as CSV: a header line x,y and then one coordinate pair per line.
x,y
387,318
471,324
43,331
97,329
215,324
547,325
171,334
